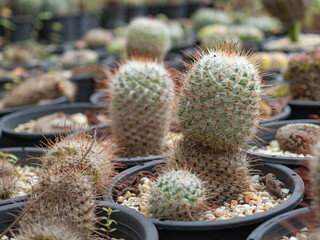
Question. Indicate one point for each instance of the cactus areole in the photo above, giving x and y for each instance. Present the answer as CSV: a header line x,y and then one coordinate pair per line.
x,y
220,99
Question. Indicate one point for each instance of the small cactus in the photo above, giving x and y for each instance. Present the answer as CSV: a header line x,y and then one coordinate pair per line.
x,y
98,38
147,37
177,195
208,16
298,137
302,74
56,6
36,89
273,60
264,23
27,6
8,179
141,99
75,58
248,34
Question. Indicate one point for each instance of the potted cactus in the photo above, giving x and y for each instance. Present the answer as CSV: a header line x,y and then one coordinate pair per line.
x,y
218,114
301,74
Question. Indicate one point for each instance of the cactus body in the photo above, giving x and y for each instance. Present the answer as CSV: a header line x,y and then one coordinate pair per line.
x,y
219,104
36,89
8,179
208,16
303,75
56,6
74,58
28,6
148,37
298,138
98,38
141,98
177,195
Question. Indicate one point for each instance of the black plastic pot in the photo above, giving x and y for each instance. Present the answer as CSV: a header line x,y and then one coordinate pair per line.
x,y
130,224
267,134
69,25
26,156
85,85
8,123
282,225
238,228
303,109
113,16
23,27
192,8
60,100
135,11
98,98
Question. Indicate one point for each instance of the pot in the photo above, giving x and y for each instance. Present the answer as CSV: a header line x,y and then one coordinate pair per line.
x,y
304,109
85,86
238,228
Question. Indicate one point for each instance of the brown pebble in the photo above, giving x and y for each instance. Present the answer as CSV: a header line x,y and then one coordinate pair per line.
x,y
246,199
233,203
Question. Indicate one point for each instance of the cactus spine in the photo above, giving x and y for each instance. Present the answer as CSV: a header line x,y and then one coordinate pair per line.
x,y
141,98
147,37
177,195
219,113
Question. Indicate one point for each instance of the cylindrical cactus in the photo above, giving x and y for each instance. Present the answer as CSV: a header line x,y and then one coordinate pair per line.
x,y
219,113
141,100
303,73
298,137
290,12
177,195
147,37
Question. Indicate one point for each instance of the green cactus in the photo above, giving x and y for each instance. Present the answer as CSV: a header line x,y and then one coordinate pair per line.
x,y
264,23
303,75
290,13
147,37
177,195
273,60
298,137
219,103
219,113
27,6
208,16
75,58
248,34
56,6
211,40
98,38
141,98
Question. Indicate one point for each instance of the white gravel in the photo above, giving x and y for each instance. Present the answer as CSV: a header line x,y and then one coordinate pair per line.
x,y
273,149
302,235
250,203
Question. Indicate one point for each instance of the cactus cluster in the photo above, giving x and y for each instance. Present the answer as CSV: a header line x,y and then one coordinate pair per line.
x,y
141,99
177,195
32,91
147,37
208,16
219,113
302,74
298,137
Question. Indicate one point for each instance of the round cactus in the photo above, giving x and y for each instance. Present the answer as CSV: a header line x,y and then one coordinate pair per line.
x,y
98,38
177,195
220,99
36,89
208,16
302,74
248,34
298,137
74,58
141,98
148,37
264,23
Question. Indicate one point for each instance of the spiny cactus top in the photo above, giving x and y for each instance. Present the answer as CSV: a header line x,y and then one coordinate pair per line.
x,y
176,195
141,98
148,37
220,99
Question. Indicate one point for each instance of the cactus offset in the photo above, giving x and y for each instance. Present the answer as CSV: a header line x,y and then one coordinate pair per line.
x,y
141,99
177,195
219,113
303,75
148,37
36,89
298,137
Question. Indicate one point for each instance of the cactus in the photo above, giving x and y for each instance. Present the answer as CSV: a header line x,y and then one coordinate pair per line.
x,y
33,90
219,113
63,155
27,6
302,74
208,16
74,58
56,6
147,37
273,60
98,38
298,137
290,13
264,23
211,40
177,195
8,179
248,34
211,30
141,98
